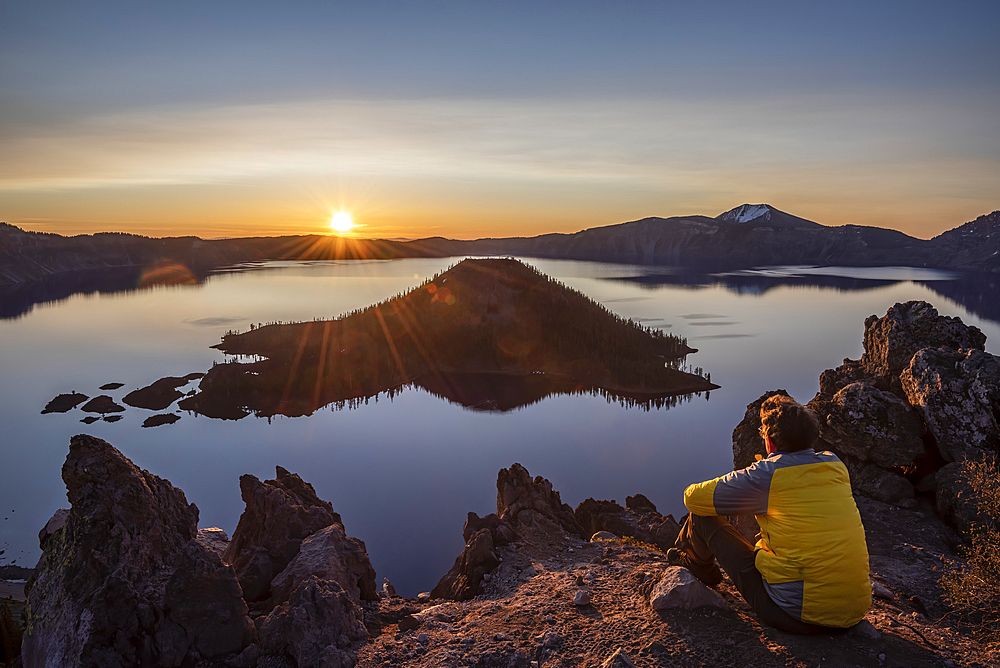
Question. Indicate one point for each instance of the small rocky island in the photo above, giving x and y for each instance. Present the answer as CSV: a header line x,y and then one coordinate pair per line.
x,y
489,334
126,578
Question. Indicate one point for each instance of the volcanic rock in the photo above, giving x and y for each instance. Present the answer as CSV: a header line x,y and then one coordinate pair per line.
x,y
868,424
279,515
102,404
679,589
517,492
500,531
463,580
892,340
639,520
329,554
64,402
158,395
161,419
315,626
55,523
122,582
957,392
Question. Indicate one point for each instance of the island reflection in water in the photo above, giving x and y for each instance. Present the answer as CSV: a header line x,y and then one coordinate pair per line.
x,y
488,334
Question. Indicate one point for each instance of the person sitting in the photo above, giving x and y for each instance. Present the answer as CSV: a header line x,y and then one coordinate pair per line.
x,y
808,572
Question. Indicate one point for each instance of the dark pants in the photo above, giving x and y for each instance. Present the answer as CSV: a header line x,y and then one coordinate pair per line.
x,y
706,537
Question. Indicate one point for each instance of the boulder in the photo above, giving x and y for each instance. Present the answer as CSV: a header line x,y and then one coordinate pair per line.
x,y
124,581
679,589
957,392
279,515
316,626
956,500
462,582
329,554
870,425
878,483
640,520
517,492
892,340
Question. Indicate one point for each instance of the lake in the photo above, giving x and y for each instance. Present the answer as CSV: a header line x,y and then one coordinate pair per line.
x,y
404,472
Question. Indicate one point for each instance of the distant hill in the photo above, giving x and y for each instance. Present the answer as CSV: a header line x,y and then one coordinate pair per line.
x,y
747,236
490,334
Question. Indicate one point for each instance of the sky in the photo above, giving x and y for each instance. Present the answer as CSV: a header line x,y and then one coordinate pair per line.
x,y
491,119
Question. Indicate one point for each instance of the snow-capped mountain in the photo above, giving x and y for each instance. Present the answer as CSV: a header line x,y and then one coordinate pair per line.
x,y
763,215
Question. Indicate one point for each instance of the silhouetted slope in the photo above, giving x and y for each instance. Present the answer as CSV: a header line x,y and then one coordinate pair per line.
x,y
497,317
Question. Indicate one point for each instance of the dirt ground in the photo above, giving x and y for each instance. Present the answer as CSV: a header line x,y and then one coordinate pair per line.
x,y
526,614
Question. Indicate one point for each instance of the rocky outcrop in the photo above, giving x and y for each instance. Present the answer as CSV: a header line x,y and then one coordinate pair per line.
x,y
279,515
638,519
923,394
517,492
127,579
892,340
957,393
315,626
478,558
124,582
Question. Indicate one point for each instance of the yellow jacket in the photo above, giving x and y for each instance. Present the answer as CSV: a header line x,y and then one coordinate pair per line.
x,y
812,552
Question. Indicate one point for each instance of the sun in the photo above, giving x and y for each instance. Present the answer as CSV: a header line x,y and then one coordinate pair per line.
x,y
341,222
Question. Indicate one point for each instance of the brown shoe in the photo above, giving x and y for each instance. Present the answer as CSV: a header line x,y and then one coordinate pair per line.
x,y
707,573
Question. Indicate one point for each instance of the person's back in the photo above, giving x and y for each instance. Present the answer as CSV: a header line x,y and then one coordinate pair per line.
x,y
812,558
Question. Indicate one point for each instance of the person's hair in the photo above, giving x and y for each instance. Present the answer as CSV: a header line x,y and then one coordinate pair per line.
x,y
790,425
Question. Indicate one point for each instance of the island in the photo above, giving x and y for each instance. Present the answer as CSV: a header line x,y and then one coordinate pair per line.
x,y
489,334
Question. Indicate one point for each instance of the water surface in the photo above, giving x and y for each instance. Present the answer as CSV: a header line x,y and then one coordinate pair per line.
x,y
404,472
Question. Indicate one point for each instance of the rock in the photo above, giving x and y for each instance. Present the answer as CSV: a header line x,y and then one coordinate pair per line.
x,y
102,404
957,392
408,623
205,600
90,419
892,340
581,597
64,402
864,629
213,539
387,591
112,418
679,589
517,492
279,515
640,521
603,535
124,581
832,381
747,442
619,659
956,501
111,386
329,554
500,531
881,592
462,582
315,626
869,424
878,483
55,523
158,395
161,419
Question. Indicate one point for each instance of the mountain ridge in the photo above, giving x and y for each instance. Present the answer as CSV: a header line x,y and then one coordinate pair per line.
x,y
746,236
